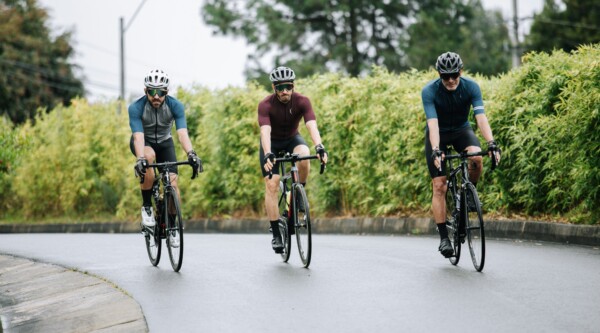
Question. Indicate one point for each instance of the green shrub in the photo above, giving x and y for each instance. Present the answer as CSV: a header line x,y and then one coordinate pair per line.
x,y
543,114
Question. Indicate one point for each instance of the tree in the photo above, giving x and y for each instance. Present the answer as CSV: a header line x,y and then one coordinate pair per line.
x,y
352,35
565,26
479,36
316,35
35,67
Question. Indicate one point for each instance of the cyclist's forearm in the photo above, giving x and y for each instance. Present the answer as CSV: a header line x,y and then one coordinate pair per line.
x,y
434,133
184,139
484,127
138,144
265,138
314,131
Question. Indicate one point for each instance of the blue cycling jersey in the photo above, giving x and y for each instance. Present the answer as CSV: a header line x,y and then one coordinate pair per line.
x,y
156,124
451,108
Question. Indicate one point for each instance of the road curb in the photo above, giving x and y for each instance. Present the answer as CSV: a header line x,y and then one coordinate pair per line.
x,y
530,230
41,297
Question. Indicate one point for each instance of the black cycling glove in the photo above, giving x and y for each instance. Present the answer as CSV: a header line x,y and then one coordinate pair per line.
x,y
320,149
269,157
140,166
436,153
195,163
493,147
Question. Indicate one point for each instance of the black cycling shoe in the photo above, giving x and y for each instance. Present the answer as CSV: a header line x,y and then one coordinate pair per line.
x,y
277,244
446,248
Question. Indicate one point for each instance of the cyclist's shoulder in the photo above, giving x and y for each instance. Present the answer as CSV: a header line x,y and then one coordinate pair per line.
x,y
300,99
172,101
138,104
468,82
431,87
266,102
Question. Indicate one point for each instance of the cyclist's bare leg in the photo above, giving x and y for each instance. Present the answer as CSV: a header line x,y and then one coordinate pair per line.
x,y
475,164
303,166
438,201
149,177
271,197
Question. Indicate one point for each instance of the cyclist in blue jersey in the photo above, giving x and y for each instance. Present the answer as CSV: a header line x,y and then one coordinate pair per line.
x,y
447,102
151,119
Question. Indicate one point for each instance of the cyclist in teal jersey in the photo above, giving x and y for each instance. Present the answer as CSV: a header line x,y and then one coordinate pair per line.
x,y
447,103
151,119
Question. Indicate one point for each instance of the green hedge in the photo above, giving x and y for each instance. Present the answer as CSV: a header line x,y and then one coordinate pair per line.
x,y
76,161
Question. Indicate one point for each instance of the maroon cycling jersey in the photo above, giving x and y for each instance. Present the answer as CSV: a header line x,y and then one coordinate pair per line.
x,y
284,118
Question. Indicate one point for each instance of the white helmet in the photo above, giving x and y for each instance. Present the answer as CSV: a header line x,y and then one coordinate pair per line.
x,y
282,74
157,79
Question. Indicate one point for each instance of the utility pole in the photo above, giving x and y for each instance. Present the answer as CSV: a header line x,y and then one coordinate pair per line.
x,y
122,30
516,49
122,57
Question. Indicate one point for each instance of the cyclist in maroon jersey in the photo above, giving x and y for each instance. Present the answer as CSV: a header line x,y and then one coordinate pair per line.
x,y
279,115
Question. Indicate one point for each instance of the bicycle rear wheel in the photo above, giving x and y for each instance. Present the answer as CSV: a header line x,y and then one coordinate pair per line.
x,y
452,221
152,237
302,224
474,226
174,230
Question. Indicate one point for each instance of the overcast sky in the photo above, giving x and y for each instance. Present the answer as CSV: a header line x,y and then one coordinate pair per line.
x,y
169,35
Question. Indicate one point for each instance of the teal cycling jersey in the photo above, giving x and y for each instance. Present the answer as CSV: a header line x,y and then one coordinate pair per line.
x,y
451,108
156,123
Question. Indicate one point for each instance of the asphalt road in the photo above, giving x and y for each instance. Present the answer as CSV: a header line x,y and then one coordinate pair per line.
x,y
234,283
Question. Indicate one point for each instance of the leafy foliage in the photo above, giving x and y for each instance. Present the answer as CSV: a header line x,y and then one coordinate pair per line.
x,y
76,164
479,36
570,25
35,66
545,116
350,36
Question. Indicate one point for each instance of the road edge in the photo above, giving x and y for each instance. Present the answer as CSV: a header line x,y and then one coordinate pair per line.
x,y
512,229
43,297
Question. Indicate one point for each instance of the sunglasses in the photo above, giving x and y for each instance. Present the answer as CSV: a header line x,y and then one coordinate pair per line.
x,y
159,92
285,86
452,76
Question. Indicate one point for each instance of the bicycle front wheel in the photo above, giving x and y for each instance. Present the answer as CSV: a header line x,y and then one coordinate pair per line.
x,y
285,238
452,221
474,226
153,241
174,230
302,224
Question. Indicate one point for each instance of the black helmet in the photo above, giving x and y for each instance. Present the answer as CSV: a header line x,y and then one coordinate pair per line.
x,y
448,63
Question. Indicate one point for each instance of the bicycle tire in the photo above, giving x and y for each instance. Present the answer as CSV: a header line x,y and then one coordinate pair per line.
x,y
174,224
153,241
302,225
285,238
474,227
452,224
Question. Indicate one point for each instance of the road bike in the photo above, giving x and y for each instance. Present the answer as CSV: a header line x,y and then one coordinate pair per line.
x,y
294,208
169,223
465,218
